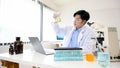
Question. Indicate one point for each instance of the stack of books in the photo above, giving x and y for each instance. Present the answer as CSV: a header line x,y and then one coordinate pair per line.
x,y
71,54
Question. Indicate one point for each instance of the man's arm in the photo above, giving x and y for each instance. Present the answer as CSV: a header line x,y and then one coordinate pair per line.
x,y
60,31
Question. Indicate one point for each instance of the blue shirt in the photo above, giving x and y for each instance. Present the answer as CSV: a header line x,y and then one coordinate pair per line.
x,y
74,38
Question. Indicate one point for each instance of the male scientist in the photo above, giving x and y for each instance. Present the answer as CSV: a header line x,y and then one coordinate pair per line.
x,y
79,35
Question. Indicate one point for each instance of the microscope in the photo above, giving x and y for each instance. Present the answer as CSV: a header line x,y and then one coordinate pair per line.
x,y
100,42
107,41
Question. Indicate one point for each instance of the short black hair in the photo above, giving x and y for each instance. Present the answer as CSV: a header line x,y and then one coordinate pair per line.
x,y
84,14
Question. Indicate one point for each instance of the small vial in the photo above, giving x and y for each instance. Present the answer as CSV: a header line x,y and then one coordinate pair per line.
x,y
58,19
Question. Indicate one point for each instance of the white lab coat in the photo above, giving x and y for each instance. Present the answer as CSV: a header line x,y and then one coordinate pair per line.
x,y
85,37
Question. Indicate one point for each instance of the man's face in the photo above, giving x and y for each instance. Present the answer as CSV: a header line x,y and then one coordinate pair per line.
x,y
78,22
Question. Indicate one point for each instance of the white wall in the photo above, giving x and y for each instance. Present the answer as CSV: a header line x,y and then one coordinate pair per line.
x,y
105,12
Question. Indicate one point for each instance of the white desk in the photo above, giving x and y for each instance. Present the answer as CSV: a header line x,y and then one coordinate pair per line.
x,y
47,61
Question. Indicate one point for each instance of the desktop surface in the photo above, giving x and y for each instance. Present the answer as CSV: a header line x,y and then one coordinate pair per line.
x,y
44,61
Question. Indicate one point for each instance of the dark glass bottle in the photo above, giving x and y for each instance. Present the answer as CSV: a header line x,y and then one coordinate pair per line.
x,y
11,50
18,46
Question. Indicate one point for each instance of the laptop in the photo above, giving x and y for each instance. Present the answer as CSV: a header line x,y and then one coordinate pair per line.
x,y
38,46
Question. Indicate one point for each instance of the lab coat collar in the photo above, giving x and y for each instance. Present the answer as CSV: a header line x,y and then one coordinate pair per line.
x,y
67,40
74,28
81,33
